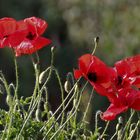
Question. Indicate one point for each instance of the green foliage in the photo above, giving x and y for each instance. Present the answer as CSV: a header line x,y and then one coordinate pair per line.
x,y
32,117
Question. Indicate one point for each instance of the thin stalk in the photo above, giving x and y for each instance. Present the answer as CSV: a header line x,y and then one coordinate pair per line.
x,y
62,94
50,72
90,98
96,41
60,115
30,113
36,85
134,130
17,78
107,124
71,114
113,136
127,124
60,105
67,119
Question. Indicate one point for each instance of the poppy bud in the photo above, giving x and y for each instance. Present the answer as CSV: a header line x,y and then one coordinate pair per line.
x,y
76,88
120,120
9,100
52,48
38,115
12,89
96,39
67,86
43,76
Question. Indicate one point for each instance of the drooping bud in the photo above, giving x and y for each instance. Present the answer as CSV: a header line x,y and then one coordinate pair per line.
x,y
38,114
76,88
9,100
43,76
52,48
67,86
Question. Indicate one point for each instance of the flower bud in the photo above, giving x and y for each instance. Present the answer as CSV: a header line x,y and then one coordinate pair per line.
x,y
9,100
76,88
52,48
120,120
67,86
43,76
96,39
38,114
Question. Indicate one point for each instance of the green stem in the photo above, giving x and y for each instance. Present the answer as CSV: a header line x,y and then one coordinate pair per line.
x,y
90,98
71,91
36,84
30,113
96,41
17,78
60,114
62,94
67,118
107,124
62,125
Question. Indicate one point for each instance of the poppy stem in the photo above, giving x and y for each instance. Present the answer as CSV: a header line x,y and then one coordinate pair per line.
x,y
96,42
17,78
88,105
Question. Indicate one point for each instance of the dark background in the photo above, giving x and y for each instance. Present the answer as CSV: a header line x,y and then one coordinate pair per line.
x,y
73,24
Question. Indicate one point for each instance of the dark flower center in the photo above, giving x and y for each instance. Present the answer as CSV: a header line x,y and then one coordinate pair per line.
x,y
119,80
92,76
30,36
6,36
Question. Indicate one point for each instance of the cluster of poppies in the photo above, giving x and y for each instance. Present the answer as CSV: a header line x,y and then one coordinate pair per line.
x,y
120,84
23,36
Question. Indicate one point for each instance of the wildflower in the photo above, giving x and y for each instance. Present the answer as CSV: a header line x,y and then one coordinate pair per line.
x,y
128,71
96,72
10,34
125,99
33,40
23,36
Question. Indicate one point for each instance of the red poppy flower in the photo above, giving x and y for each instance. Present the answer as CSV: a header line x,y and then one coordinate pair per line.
x,y
7,27
96,72
29,47
12,32
125,98
36,25
128,71
24,35
33,40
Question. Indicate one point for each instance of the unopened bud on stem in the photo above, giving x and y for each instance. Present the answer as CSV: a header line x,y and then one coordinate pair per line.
x,y
67,86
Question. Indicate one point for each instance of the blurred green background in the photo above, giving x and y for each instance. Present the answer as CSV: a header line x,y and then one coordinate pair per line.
x,y
73,24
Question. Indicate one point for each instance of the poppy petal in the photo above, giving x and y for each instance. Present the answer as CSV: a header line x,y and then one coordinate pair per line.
x,y
113,111
77,74
29,47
